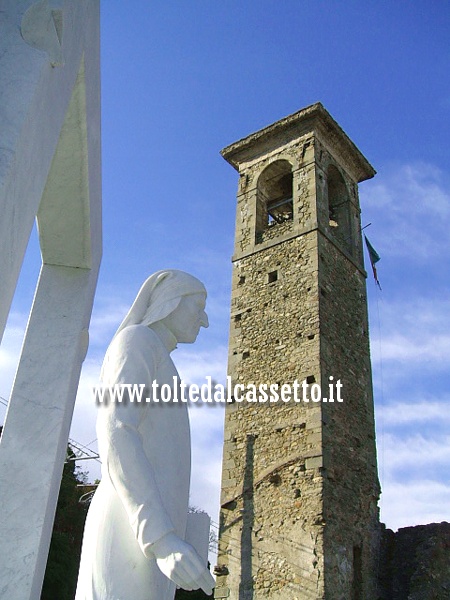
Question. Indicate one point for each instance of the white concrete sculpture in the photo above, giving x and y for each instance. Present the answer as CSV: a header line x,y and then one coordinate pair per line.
x,y
133,546
50,168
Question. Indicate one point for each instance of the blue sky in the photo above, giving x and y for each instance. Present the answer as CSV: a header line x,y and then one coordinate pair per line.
x,y
181,80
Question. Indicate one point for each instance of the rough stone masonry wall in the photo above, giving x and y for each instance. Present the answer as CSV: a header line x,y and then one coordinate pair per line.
x,y
351,488
350,484
272,485
416,563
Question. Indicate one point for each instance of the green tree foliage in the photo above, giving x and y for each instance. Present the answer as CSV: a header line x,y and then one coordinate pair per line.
x,y
65,549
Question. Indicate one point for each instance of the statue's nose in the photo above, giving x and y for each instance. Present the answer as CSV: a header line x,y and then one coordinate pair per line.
x,y
204,322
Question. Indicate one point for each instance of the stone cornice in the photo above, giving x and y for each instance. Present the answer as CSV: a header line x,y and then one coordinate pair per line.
x,y
314,118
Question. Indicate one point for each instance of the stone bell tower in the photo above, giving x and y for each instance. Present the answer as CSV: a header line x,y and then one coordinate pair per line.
x,y
299,516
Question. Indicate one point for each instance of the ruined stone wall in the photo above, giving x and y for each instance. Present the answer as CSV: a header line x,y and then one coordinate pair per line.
x,y
416,563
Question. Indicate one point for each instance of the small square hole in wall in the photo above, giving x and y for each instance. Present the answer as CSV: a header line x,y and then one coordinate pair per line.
x,y
241,280
310,379
275,479
272,277
237,318
245,354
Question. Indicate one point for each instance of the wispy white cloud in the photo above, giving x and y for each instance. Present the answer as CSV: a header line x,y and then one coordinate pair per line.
x,y
414,476
408,333
413,413
105,320
410,208
403,452
416,502
195,366
414,463
433,349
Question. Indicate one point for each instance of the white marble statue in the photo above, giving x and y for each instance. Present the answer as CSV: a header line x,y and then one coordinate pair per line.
x,y
133,546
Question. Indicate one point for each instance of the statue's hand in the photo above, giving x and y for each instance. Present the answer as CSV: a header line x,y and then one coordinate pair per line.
x,y
181,564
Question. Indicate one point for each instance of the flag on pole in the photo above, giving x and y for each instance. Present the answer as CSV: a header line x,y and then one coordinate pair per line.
x,y
374,258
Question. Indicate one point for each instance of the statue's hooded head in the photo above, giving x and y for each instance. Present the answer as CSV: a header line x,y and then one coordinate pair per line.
x,y
159,296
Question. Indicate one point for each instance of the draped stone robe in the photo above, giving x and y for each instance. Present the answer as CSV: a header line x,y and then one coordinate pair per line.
x,y
144,491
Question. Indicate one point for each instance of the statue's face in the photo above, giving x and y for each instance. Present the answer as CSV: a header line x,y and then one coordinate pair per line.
x,y
188,317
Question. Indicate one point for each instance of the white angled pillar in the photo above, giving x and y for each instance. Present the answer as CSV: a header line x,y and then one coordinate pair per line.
x,y
50,168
